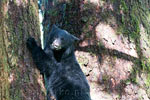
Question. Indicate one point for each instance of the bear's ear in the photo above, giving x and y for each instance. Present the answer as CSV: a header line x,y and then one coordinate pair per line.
x,y
74,38
54,27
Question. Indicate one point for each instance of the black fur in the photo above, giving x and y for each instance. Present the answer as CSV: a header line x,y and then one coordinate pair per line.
x,y
63,76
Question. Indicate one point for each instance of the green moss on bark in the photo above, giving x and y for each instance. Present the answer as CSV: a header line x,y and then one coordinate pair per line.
x,y
19,21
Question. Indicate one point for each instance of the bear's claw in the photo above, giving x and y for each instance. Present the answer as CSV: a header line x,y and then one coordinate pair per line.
x,y
31,43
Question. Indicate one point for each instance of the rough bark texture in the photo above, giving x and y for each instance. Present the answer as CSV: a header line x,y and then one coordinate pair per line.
x,y
113,51
18,78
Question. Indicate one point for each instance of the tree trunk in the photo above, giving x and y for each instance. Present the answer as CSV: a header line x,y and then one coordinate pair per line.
x,y
18,78
113,51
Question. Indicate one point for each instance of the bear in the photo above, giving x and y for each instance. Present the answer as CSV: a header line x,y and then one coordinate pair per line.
x,y
63,77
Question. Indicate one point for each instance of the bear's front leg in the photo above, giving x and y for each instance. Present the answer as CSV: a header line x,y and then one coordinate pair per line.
x,y
40,58
31,44
44,62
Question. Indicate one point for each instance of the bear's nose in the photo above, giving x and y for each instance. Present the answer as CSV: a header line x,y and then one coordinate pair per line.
x,y
57,42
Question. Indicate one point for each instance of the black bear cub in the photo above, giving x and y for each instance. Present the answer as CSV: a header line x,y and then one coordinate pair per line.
x,y
63,76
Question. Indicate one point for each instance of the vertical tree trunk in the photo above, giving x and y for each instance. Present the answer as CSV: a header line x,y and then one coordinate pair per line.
x,y
19,20
18,78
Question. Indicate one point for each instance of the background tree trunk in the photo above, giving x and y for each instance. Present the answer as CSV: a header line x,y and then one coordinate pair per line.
x,y
114,47
18,78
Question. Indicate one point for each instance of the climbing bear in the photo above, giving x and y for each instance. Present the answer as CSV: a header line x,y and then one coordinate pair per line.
x,y
63,76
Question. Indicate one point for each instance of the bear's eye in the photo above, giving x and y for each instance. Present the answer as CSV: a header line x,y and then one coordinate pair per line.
x,y
62,38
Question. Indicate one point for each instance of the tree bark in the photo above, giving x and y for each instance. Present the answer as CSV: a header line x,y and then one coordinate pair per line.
x,y
18,78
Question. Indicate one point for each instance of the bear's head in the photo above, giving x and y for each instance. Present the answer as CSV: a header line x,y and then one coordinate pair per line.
x,y
60,42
